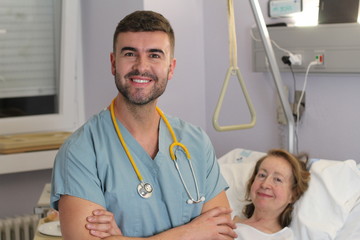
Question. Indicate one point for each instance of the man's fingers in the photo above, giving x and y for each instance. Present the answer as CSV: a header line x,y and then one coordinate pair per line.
x,y
226,231
99,212
225,221
98,227
99,234
99,219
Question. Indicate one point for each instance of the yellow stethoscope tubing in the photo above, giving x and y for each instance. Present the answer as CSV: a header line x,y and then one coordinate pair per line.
x,y
175,141
173,157
122,141
118,132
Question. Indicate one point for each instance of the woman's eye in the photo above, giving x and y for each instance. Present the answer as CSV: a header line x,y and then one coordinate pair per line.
x,y
261,175
278,180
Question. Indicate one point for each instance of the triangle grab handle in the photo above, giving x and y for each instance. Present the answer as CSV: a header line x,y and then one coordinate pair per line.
x,y
233,70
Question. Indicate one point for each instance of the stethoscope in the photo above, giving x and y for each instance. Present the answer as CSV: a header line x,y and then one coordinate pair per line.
x,y
145,189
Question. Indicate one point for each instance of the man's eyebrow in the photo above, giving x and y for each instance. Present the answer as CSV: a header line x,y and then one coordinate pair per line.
x,y
151,50
128,49
156,50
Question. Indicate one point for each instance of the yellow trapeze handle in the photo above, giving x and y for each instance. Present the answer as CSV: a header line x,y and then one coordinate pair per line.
x,y
233,70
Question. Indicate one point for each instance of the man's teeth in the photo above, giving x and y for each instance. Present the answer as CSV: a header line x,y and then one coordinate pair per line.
x,y
140,81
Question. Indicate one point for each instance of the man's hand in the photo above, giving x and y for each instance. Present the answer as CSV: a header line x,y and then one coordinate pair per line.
x,y
102,224
213,224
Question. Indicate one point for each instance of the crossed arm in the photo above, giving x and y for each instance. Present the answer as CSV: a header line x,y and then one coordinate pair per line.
x,y
214,223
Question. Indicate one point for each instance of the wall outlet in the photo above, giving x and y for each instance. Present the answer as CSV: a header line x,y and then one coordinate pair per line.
x,y
295,59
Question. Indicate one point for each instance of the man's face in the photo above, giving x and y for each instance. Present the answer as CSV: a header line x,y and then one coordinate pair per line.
x,y
142,65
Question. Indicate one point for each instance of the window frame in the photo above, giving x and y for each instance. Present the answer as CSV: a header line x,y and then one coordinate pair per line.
x,y
71,110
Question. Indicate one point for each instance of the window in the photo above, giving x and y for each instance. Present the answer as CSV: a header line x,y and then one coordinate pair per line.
x,y
40,82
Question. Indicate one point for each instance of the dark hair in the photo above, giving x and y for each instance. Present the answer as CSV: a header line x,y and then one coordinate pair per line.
x,y
301,178
145,21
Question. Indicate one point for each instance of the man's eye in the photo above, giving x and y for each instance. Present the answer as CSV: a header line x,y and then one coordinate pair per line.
x,y
154,56
129,54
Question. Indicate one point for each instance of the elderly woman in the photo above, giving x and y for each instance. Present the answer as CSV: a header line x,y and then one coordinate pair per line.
x,y
278,181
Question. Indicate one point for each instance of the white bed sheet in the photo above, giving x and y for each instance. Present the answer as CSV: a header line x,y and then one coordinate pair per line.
x,y
330,209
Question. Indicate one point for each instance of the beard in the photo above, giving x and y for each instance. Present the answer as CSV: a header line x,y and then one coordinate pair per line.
x,y
139,97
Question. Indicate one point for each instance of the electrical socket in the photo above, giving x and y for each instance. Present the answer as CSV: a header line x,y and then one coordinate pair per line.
x,y
319,58
295,59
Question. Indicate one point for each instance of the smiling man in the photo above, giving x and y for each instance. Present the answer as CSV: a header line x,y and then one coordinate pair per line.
x,y
148,174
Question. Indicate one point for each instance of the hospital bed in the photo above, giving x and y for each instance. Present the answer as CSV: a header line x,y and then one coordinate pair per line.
x,y
329,209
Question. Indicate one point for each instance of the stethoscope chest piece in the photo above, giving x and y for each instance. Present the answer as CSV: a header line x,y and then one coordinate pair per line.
x,y
145,190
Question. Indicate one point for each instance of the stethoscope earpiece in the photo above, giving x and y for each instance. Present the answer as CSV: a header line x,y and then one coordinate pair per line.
x,y
191,201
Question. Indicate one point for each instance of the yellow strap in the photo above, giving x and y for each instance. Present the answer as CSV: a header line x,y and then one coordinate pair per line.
x,y
233,70
232,35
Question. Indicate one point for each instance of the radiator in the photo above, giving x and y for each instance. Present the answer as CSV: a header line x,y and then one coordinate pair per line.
x,y
18,228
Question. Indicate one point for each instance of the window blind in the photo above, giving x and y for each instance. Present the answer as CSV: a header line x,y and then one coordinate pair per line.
x,y
28,48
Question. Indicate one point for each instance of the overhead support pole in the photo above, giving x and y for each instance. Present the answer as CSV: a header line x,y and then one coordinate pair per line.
x,y
264,34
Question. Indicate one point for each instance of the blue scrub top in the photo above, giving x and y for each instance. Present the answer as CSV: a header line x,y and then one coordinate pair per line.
x,y
93,165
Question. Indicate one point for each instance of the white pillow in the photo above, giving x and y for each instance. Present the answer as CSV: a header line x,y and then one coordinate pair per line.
x,y
237,176
333,192
239,155
237,166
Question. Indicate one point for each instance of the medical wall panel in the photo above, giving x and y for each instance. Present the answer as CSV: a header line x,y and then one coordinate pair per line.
x,y
337,46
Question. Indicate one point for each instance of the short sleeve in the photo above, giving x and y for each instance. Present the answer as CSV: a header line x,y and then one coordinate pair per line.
x,y
75,171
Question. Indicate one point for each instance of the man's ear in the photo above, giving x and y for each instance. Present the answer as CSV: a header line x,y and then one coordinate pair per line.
x,y
113,63
171,68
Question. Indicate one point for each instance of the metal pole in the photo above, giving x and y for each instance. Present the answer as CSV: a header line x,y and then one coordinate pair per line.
x,y
264,34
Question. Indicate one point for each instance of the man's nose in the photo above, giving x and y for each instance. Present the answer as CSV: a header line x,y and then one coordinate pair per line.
x,y
141,64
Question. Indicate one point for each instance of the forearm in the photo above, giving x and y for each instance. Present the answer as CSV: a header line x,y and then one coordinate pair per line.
x,y
214,223
211,225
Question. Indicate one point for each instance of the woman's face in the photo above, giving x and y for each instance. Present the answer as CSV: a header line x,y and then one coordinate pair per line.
x,y
271,189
